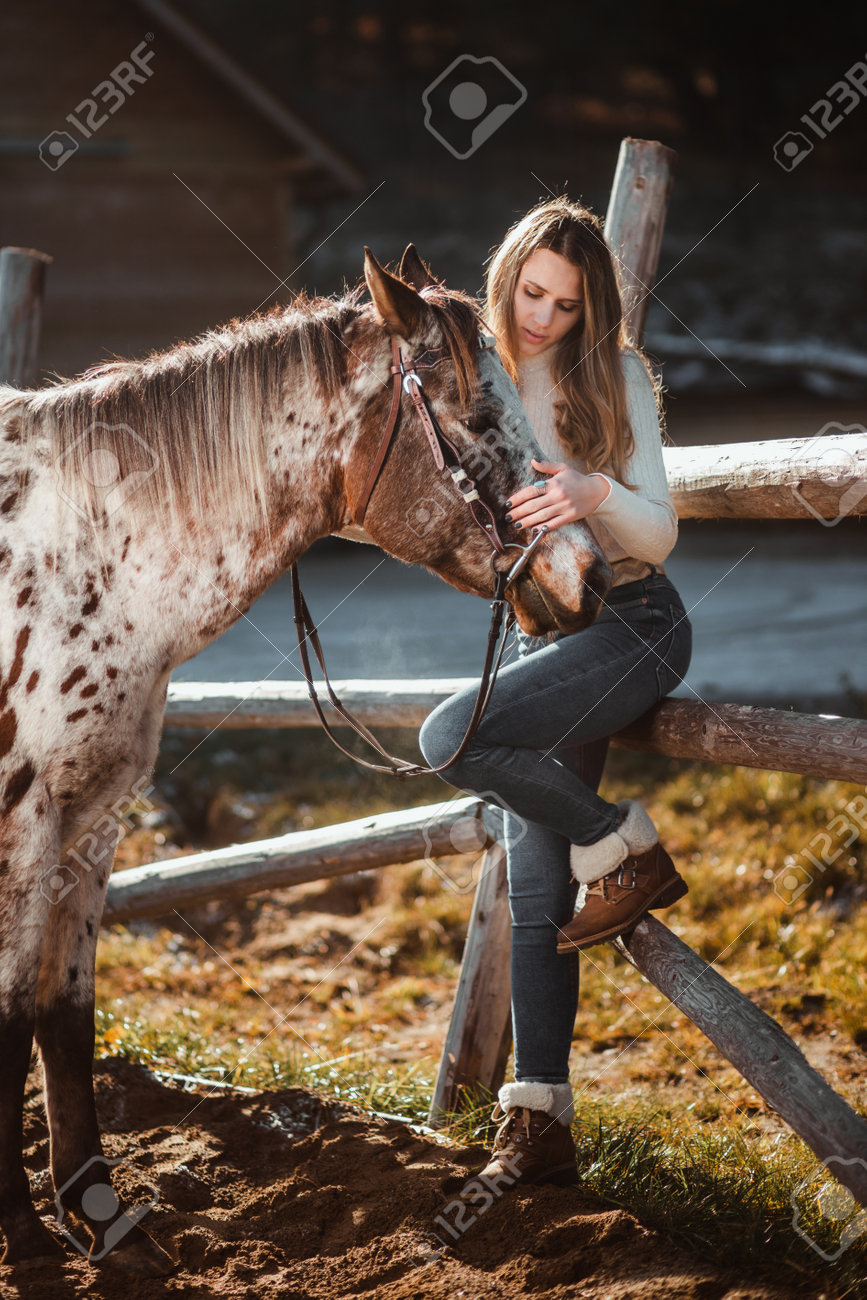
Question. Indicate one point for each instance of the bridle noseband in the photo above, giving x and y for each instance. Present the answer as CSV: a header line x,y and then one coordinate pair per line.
x,y
407,379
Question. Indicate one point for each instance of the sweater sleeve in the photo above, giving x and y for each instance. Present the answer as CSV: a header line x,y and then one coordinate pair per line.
x,y
644,522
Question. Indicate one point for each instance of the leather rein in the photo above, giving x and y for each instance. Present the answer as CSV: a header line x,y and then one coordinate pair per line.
x,y
407,379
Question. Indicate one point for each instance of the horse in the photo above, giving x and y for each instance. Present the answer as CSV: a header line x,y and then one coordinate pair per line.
x,y
144,506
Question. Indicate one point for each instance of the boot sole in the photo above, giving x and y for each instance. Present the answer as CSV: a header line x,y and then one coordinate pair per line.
x,y
667,894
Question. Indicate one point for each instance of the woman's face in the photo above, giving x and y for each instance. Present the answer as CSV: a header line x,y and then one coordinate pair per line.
x,y
548,301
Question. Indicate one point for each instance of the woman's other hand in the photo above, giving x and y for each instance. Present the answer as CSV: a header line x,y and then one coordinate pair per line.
x,y
568,495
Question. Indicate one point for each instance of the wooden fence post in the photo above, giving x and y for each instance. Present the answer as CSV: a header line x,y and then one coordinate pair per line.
x,y
22,281
480,1030
480,1033
635,220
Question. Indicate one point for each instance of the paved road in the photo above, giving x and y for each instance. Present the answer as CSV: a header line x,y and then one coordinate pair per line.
x,y
779,613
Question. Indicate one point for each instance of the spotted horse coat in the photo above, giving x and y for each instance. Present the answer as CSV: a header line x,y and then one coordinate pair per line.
x,y
143,508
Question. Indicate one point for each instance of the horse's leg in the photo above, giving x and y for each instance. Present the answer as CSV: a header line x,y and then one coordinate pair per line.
x,y
65,1034
27,843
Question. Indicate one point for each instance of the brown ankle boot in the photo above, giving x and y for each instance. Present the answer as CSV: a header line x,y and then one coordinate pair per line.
x,y
620,899
531,1147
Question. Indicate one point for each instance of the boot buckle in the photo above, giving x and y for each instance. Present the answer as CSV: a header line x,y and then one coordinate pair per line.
x,y
622,883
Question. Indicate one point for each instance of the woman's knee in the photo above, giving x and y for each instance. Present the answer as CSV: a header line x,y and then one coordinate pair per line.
x,y
443,730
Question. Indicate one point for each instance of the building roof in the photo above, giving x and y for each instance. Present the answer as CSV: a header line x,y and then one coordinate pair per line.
x,y
321,153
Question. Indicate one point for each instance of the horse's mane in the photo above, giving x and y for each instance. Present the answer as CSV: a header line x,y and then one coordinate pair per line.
x,y
189,421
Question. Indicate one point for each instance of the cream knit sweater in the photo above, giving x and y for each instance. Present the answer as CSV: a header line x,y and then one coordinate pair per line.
x,y
633,528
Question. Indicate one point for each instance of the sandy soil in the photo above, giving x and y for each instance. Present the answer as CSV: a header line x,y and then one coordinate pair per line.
x,y
285,1194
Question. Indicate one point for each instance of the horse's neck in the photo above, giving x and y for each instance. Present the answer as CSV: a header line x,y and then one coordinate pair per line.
x,y
207,572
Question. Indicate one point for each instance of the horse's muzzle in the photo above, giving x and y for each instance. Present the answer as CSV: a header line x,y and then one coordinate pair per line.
x,y
539,609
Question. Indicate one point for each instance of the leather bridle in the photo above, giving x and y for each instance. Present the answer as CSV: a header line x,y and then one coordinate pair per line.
x,y
407,379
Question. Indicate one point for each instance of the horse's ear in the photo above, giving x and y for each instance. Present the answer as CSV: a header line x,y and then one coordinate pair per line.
x,y
398,307
413,269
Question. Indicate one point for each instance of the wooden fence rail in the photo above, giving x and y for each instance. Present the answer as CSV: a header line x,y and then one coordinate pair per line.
x,y
479,1035
822,477
820,745
382,840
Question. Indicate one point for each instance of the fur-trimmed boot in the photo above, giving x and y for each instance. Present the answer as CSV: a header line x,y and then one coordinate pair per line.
x,y
534,1142
622,876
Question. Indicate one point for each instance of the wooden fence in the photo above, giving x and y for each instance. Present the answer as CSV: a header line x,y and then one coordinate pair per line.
x,y
789,479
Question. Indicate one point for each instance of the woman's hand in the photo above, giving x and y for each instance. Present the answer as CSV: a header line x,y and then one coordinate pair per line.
x,y
567,496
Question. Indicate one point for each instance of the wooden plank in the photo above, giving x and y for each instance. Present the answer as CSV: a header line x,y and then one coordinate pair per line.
x,y
370,842
22,282
635,221
756,1046
479,1035
820,745
823,477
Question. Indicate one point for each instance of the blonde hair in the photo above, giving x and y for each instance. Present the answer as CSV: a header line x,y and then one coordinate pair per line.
x,y
590,413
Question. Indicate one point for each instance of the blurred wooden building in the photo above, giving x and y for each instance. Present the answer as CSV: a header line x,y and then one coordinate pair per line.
x,y
180,208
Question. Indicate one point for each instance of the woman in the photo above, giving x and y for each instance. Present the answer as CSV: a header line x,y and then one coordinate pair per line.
x,y
554,305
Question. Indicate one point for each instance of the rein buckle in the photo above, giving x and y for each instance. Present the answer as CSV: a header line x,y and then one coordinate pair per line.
x,y
409,377
526,551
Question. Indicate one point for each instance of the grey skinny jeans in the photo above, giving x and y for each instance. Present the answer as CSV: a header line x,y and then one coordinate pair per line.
x,y
538,755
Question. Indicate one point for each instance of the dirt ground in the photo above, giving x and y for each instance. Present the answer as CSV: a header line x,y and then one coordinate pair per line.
x,y
285,1194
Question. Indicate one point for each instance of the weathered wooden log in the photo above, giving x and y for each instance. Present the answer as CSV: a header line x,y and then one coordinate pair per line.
x,y
22,282
479,1035
820,745
237,705
378,841
635,221
812,744
823,477
756,1046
